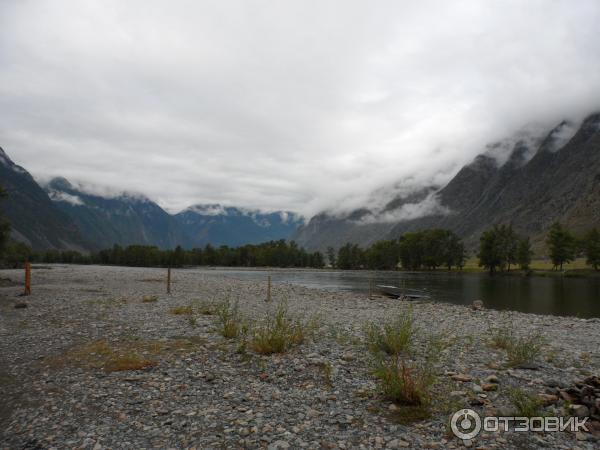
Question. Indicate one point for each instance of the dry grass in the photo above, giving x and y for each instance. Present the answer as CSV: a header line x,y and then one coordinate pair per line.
x,y
150,299
125,355
472,265
181,311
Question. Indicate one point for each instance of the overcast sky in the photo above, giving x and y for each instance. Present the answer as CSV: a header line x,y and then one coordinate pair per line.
x,y
296,105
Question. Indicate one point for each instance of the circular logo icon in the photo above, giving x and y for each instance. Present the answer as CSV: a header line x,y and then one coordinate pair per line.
x,y
465,424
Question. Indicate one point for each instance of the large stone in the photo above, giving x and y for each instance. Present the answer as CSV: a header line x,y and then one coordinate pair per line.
x,y
462,377
548,399
477,305
579,410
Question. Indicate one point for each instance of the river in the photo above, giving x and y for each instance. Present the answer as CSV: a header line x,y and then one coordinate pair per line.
x,y
541,295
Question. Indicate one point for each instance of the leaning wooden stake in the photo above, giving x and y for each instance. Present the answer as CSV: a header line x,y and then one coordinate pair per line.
x,y
27,279
370,288
269,288
169,280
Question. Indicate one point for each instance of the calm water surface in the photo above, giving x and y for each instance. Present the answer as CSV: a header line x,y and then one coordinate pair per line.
x,y
541,295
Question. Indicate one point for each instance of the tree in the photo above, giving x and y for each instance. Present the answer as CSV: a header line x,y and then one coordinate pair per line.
x,y
591,247
350,256
491,250
524,253
510,244
562,245
331,256
455,253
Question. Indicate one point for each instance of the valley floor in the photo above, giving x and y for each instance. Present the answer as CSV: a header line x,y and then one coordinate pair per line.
x,y
61,386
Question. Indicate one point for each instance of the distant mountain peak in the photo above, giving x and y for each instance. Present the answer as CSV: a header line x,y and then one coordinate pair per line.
x,y
559,136
60,183
7,162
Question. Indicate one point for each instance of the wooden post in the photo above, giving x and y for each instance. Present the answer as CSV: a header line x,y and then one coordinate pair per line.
x,y
269,288
169,280
27,279
371,288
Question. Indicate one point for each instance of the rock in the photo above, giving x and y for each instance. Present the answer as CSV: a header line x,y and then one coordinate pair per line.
x,y
467,443
579,410
462,377
20,305
280,444
458,393
477,305
492,379
567,397
348,356
548,399
490,387
477,389
580,436
530,365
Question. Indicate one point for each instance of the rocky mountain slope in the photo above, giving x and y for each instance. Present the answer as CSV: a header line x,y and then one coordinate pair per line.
x,y
554,178
62,216
123,219
34,218
220,225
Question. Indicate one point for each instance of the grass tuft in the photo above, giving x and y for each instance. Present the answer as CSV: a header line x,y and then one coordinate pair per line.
x,y
150,299
393,337
229,319
520,350
279,332
404,383
526,405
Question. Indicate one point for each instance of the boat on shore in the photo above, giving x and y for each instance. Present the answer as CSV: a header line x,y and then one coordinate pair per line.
x,y
402,293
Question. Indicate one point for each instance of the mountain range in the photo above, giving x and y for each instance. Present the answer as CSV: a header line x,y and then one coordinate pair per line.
x,y
59,215
529,180
550,177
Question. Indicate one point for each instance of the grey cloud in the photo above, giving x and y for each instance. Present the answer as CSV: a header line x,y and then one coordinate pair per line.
x,y
300,105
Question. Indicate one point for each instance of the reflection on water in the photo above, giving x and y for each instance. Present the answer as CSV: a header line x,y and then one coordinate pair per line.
x,y
540,295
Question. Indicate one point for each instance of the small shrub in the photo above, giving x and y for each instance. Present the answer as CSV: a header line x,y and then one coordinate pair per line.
x,y
150,299
526,405
279,332
181,311
229,319
393,337
405,384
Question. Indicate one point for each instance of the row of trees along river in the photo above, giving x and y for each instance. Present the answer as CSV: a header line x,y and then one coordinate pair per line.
x,y
500,249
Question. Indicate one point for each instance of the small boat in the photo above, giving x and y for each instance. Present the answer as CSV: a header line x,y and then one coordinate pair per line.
x,y
396,292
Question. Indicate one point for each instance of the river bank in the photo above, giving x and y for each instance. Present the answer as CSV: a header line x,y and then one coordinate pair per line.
x,y
200,390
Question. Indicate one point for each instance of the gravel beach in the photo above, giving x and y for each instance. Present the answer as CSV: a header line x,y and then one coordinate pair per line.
x,y
201,390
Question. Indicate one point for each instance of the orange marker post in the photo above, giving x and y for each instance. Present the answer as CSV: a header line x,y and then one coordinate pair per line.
x,y
27,279
169,280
